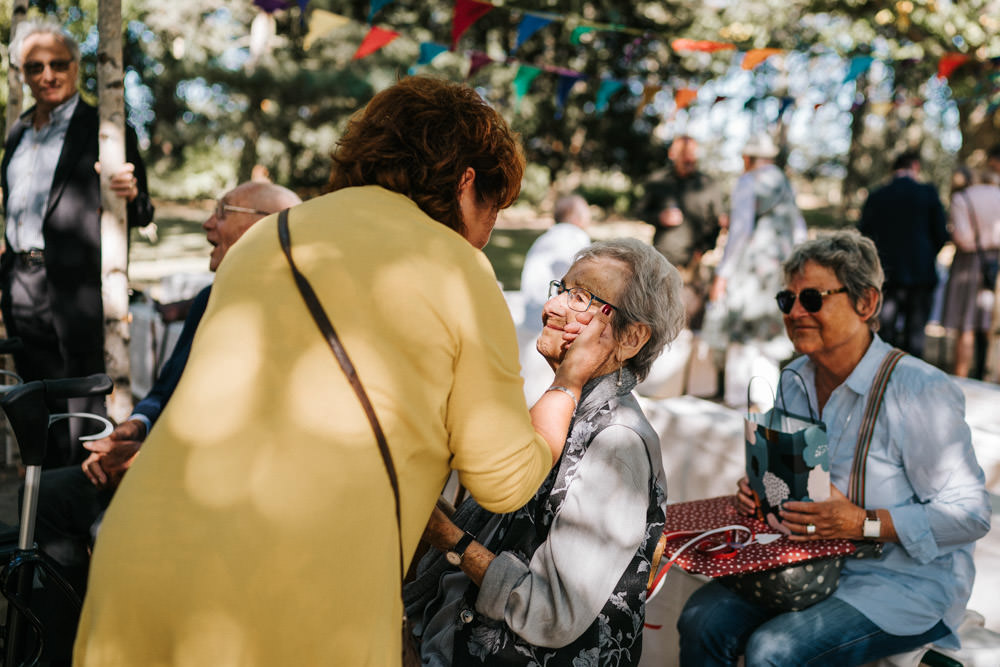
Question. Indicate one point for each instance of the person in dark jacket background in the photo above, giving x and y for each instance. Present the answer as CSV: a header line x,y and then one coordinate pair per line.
x,y
907,222
50,271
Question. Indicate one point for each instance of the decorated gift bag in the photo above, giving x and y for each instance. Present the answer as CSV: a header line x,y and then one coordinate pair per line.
x,y
786,457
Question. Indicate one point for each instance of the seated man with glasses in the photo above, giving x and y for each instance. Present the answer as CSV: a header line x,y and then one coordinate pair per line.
x,y
73,498
50,271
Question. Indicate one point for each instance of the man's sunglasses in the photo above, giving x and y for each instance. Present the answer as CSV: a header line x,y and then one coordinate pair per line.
x,y
810,298
34,68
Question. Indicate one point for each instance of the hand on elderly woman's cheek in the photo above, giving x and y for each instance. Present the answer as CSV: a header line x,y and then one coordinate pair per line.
x,y
594,340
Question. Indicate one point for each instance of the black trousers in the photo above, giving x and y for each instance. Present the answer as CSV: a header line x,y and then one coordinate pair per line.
x,y
905,311
27,314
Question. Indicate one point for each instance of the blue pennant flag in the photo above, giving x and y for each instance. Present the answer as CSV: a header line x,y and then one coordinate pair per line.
x,y
376,7
566,82
859,65
530,24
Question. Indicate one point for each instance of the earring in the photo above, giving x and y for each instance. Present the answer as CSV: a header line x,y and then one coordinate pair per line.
x,y
620,374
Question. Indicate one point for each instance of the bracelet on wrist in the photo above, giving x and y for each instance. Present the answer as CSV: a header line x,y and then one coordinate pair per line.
x,y
566,391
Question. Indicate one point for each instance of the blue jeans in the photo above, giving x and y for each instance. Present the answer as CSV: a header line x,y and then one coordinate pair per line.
x,y
717,626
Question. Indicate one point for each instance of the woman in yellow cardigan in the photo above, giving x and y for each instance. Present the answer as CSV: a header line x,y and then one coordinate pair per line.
x,y
258,526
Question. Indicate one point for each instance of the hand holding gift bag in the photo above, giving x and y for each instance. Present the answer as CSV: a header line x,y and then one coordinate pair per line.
x,y
786,458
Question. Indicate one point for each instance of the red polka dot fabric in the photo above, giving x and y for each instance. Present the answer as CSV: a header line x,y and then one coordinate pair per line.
x,y
721,511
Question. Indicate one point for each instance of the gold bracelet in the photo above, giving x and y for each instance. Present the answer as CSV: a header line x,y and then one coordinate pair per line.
x,y
566,391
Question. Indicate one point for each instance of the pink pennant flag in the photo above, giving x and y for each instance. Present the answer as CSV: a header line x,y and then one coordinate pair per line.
x,y
467,12
373,41
755,57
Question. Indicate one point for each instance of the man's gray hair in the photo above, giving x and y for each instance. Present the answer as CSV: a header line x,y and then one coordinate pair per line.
x,y
36,26
652,296
852,257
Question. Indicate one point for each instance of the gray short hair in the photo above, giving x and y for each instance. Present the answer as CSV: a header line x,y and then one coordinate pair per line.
x,y
652,296
852,257
36,26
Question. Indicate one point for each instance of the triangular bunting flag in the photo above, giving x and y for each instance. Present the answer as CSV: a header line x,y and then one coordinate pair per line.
x,y
321,22
467,12
684,97
429,51
522,82
373,41
376,7
478,60
755,57
949,63
700,45
607,88
648,93
578,32
530,24
859,65
565,84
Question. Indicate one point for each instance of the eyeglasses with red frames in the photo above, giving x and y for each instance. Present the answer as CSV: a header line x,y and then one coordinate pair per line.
x,y
35,67
810,298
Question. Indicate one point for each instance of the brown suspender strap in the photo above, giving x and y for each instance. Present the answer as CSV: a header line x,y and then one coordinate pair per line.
x,y
856,487
326,327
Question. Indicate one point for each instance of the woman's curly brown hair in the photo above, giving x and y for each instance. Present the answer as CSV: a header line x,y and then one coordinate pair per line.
x,y
418,137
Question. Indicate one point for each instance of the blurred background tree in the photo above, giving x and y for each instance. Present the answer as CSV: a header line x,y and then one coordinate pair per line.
x,y
219,88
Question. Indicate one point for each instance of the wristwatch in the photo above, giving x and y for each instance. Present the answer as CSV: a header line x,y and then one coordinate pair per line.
x,y
457,552
872,528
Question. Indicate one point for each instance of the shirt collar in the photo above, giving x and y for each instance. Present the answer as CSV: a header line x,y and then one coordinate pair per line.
x,y
63,112
860,379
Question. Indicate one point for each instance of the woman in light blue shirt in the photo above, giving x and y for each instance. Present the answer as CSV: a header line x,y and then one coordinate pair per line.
x,y
926,499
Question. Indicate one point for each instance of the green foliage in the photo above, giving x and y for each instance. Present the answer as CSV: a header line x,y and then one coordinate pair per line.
x,y
218,105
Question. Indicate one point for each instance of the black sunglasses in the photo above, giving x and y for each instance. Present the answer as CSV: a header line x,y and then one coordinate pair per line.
x,y
810,298
34,68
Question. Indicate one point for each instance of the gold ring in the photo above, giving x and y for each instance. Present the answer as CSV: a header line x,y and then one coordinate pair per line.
x,y
811,528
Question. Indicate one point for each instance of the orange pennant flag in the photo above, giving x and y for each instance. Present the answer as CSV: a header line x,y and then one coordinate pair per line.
x,y
755,57
648,93
700,45
684,97
373,41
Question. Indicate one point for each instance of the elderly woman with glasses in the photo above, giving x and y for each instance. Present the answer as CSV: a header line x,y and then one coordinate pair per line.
x,y
562,581
925,498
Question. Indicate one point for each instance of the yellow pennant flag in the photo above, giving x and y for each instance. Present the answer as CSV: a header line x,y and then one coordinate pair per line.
x,y
322,22
649,91
755,57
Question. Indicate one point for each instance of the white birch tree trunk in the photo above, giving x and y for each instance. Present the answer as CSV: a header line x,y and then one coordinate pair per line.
x,y
114,224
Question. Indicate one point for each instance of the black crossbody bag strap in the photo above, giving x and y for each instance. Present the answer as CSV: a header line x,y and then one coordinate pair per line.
x,y
326,328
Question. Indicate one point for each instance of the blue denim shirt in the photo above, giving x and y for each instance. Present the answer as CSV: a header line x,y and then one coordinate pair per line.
x,y
922,468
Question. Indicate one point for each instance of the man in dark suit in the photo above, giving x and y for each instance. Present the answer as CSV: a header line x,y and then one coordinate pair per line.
x,y
50,270
907,222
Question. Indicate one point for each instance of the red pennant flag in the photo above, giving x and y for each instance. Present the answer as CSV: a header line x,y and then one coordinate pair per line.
x,y
949,63
700,45
373,41
467,12
684,97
